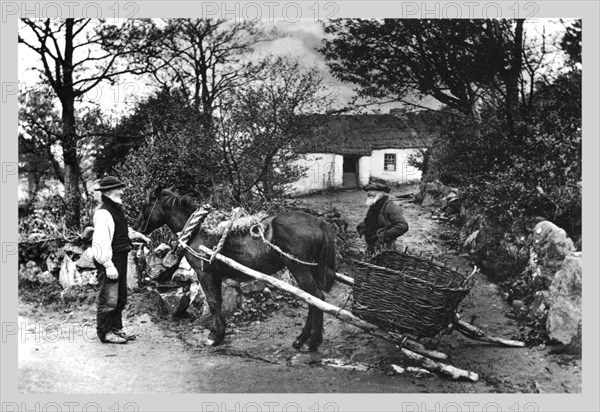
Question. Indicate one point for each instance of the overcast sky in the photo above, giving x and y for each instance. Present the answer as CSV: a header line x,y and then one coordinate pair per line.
x,y
300,39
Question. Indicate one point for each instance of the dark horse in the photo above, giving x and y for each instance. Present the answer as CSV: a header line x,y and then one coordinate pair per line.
x,y
300,235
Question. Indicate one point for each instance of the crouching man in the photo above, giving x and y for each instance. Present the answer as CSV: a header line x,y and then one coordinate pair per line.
x,y
384,222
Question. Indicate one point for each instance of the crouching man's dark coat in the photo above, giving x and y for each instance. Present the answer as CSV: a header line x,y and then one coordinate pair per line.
x,y
383,225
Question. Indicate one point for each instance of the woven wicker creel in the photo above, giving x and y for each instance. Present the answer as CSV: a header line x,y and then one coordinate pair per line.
x,y
408,294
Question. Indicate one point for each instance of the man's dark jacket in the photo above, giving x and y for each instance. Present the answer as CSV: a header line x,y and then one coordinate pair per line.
x,y
390,224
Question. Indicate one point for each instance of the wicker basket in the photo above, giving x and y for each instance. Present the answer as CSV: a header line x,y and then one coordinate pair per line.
x,y
408,294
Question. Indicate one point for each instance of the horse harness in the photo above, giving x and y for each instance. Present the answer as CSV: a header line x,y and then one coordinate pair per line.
x,y
256,231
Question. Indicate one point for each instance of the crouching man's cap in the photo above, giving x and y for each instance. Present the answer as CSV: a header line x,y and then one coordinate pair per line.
x,y
377,186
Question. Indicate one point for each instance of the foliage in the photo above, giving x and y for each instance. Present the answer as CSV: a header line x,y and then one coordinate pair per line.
x,y
38,121
165,145
162,114
454,61
535,173
571,42
72,72
263,123
177,160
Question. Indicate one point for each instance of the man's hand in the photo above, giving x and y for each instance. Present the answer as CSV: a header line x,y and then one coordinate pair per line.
x,y
111,272
381,236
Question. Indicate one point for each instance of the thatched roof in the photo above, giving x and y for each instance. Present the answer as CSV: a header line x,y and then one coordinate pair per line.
x,y
361,134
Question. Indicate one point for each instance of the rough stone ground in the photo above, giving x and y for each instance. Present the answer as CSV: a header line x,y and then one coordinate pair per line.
x,y
58,352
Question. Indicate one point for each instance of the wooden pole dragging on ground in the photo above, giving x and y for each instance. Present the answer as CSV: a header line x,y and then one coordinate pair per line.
x,y
432,365
347,317
475,333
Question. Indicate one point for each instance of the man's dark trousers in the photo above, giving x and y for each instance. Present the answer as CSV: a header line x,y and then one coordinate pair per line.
x,y
113,296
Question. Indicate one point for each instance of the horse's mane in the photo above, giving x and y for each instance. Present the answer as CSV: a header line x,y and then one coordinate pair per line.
x,y
171,199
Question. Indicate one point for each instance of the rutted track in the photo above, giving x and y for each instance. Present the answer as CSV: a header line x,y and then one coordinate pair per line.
x,y
257,356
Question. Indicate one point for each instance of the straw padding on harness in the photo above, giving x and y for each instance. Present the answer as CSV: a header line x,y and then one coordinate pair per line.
x,y
408,294
218,223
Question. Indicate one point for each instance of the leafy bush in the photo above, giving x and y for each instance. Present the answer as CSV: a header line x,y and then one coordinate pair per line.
x,y
535,171
178,160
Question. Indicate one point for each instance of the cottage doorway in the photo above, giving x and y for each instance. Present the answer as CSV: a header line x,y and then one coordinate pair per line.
x,y
350,169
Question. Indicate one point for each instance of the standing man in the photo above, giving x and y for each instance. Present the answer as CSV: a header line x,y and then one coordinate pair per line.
x,y
111,243
384,222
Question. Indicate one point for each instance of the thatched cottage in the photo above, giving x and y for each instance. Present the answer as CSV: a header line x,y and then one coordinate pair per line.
x,y
346,151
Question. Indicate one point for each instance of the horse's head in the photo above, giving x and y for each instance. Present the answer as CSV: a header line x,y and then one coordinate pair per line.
x,y
152,215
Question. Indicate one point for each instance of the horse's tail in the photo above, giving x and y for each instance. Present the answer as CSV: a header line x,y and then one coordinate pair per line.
x,y
326,268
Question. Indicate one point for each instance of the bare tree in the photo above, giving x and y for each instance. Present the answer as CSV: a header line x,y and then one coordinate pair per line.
x,y
76,55
264,124
205,59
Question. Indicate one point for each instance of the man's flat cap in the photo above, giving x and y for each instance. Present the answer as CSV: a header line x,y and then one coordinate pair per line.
x,y
377,186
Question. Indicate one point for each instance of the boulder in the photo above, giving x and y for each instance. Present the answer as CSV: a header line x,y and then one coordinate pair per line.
x,y
253,286
157,271
198,307
451,203
68,269
232,296
53,263
540,302
162,250
176,300
46,277
432,193
564,316
29,271
550,246
184,272
191,299
132,271
88,277
429,199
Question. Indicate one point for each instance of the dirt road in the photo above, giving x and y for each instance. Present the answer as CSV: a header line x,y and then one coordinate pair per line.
x,y
59,352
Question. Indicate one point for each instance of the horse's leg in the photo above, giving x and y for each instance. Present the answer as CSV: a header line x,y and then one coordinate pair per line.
x,y
211,285
317,320
306,330
312,333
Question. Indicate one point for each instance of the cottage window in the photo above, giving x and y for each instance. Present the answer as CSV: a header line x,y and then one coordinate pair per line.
x,y
389,162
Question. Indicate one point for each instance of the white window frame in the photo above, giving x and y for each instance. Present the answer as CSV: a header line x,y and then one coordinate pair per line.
x,y
387,162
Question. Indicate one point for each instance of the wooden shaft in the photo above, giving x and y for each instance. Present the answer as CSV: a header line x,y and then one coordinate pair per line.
x,y
346,316
333,310
340,277
475,333
450,370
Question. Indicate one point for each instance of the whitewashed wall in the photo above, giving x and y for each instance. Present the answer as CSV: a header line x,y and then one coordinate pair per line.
x,y
324,170
404,172
364,170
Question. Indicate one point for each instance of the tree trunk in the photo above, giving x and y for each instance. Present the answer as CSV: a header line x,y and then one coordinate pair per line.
x,y
72,172
511,79
69,143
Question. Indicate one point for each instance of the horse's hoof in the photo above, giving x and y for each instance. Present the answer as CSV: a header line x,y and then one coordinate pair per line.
x,y
213,341
308,348
298,343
